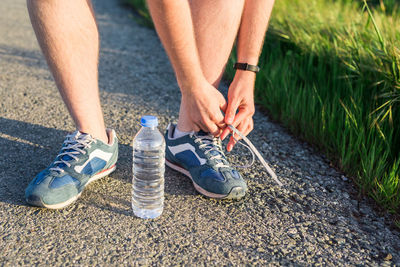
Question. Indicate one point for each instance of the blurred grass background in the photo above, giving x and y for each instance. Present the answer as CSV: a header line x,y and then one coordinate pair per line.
x,y
330,72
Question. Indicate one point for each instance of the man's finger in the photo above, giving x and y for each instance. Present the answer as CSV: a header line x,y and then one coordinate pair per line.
x,y
250,127
219,120
231,111
222,103
247,127
232,142
216,132
201,127
225,133
196,127
211,127
223,106
242,115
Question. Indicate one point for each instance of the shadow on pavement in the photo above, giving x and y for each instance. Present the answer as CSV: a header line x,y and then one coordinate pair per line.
x,y
24,153
29,148
108,203
23,56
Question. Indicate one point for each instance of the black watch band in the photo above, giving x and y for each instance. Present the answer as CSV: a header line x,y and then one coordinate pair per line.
x,y
245,66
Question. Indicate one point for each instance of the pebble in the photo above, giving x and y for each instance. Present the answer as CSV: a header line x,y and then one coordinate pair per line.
x,y
284,209
388,257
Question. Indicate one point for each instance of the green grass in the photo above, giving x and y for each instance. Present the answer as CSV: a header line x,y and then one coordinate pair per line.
x,y
331,74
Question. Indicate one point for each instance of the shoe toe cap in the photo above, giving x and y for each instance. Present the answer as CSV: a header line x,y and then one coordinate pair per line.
x,y
222,182
42,193
34,200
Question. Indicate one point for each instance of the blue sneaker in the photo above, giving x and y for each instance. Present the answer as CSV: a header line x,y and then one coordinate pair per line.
x,y
199,156
82,160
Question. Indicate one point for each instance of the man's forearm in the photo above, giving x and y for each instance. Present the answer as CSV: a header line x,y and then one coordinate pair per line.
x,y
174,25
252,30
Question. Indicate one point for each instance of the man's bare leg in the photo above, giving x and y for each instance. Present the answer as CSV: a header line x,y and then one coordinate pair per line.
x,y
68,35
215,25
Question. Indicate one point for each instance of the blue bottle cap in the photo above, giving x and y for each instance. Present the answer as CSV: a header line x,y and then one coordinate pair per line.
x,y
149,121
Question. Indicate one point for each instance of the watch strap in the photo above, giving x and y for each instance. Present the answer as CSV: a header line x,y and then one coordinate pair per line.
x,y
245,66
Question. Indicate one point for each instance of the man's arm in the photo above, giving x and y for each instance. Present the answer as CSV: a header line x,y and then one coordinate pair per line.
x,y
201,100
252,30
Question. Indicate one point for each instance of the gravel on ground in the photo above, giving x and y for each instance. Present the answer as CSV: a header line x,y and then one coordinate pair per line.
x,y
315,219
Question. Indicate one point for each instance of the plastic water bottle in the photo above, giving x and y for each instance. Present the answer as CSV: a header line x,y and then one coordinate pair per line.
x,y
148,170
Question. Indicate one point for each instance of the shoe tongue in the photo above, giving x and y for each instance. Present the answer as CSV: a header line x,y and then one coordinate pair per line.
x,y
202,133
80,135
77,135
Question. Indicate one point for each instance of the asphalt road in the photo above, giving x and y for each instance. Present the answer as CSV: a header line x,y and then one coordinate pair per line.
x,y
315,219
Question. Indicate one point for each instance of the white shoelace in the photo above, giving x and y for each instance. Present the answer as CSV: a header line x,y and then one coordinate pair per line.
x,y
253,151
74,144
213,144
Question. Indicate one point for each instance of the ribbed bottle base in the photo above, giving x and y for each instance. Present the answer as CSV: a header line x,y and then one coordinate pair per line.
x,y
146,213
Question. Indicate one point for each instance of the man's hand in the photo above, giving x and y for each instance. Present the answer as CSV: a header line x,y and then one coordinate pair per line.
x,y
202,106
241,99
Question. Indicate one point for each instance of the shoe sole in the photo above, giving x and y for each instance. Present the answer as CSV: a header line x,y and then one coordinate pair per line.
x,y
236,192
72,200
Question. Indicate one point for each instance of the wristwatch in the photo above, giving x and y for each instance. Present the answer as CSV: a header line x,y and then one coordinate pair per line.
x,y
245,66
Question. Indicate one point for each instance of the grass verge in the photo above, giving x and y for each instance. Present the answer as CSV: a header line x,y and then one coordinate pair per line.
x,y
331,74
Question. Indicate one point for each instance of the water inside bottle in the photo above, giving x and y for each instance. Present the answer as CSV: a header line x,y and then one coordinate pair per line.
x,y
148,180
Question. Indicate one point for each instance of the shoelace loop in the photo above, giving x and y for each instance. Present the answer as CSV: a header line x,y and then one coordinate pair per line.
x,y
253,151
74,144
